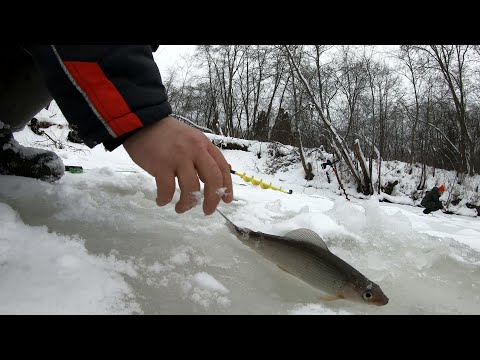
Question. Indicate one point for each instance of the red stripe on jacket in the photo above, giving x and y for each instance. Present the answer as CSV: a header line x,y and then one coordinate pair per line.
x,y
104,96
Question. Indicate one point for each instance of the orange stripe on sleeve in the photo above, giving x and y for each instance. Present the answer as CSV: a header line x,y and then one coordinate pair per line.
x,y
104,96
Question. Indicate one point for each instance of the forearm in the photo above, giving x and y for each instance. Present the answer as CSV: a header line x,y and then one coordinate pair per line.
x,y
107,91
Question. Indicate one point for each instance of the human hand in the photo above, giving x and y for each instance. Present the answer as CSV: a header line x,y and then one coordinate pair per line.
x,y
168,149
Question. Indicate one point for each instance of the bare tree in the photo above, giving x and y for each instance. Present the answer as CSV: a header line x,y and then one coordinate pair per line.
x,y
415,69
320,105
352,79
338,96
451,61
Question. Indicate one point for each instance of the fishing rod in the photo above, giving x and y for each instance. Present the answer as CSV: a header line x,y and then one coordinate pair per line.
x,y
260,182
75,169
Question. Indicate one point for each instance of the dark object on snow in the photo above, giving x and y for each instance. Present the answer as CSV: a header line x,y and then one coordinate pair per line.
x,y
456,202
431,201
324,166
74,169
73,137
327,163
472,206
385,200
230,146
389,188
36,125
19,160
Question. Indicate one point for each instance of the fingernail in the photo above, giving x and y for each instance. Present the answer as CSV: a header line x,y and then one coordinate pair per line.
x,y
227,197
160,203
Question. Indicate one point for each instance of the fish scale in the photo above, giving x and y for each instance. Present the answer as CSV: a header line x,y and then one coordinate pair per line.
x,y
308,266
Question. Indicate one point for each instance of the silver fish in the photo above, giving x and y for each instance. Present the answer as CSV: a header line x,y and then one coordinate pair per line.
x,y
304,254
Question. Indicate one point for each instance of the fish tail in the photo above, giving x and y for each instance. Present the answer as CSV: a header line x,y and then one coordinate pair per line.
x,y
242,234
230,224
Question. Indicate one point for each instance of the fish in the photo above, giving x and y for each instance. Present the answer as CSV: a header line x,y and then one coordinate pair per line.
x,y
303,254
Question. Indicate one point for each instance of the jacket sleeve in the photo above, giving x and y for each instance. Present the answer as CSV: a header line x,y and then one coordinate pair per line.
x,y
107,91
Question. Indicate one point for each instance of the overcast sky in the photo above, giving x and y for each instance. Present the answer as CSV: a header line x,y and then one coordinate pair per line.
x,y
167,55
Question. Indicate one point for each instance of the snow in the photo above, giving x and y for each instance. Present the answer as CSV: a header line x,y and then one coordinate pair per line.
x,y
97,243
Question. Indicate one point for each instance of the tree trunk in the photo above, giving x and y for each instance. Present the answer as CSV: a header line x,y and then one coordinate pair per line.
x,y
306,167
367,182
337,140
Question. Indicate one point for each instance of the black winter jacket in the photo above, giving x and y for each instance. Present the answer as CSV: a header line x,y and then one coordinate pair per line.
x,y
107,91
432,199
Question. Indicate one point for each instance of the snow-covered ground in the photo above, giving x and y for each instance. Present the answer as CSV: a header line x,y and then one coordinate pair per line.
x,y
96,243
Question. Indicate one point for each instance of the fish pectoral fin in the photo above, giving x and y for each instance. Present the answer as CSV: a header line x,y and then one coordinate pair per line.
x,y
329,297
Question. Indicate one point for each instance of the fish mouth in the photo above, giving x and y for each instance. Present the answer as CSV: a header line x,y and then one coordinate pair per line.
x,y
383,300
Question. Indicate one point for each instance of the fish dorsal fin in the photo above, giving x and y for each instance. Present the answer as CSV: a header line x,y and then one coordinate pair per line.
x,y
304,234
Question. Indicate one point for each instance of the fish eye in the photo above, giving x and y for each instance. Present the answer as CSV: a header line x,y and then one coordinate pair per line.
x,y
367,296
